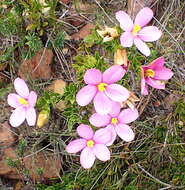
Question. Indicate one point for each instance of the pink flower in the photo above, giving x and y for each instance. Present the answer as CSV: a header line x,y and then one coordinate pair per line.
x,y
92,145
100,87
136,32
116,122
23,102
154,75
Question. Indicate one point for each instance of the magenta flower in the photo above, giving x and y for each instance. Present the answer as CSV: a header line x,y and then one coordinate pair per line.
x,y
92,145
116,122
154,75
100,87
23,102
136,32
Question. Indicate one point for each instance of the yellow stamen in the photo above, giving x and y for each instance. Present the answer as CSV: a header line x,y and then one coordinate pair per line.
x,y
136,29
149,73
23,101
114,120
90,143
101,87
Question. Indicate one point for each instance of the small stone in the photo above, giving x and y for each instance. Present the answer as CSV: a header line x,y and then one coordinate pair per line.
x,y
50,164
7,137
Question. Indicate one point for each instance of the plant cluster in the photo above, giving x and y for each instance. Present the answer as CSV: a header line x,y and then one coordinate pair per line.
x,y
102,89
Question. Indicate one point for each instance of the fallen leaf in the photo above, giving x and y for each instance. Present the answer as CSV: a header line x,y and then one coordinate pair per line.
x,y
38,67
85,31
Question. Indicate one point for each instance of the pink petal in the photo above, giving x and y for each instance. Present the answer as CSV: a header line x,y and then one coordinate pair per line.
x,y
116,107
99,120
125,132
87,158
101,152
102,136
144,16
142,47
85,95
76,145
32,99
102,103
85,131
128,115
113,135
155,83
13,100
144,87
126,39
93,76
18,116
163,74
117,92
149,34
21,87
125,21
31,116
113,74
156,64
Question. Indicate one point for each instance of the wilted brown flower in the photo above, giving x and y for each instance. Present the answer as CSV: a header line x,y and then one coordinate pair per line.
x,y
108,33
130,102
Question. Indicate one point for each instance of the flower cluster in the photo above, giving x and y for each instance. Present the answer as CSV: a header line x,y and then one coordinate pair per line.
x,y
101,89
108,97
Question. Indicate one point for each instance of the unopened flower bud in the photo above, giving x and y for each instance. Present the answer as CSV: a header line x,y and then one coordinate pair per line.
x,y
120,58
43,118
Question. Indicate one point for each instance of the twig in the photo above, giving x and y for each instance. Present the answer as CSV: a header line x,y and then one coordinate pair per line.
x,y
104,11
157,180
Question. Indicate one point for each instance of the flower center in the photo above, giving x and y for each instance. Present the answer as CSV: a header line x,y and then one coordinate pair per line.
x,y
90,143
149,73
136,29
114,120
101,87
23,101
